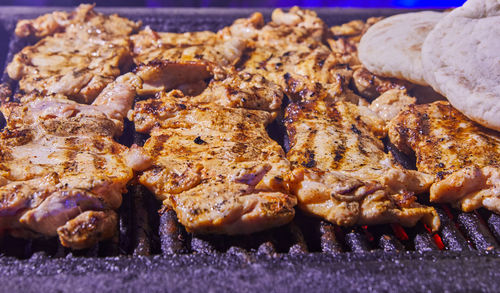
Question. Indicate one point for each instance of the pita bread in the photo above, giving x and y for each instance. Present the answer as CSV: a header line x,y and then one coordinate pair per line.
x,y
461,60
392,46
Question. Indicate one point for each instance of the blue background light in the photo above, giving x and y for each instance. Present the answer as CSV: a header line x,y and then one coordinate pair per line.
x,y
247,3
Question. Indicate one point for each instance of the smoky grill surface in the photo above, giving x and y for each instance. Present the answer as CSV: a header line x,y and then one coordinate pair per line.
x,y
152,251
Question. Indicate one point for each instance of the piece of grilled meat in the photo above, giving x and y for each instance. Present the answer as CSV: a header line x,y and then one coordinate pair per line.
x,y
214,163
343,40
227,87
290,52
61,171
390,103
463,156
341,172
223,48
81,53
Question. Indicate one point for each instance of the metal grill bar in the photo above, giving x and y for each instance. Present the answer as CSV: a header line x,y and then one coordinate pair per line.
x,y
172,236
494,224
110,247
422,240
299,245
202,245
140,216
476,231
61,251
268,246
356,241
16,247
390,243
329,243
125,231
91,252
45,247
451,236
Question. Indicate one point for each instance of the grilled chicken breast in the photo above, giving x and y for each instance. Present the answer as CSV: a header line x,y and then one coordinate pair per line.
x,y
341,172
223,48
214,163
195,46
80,54
290,52
227,88
462,155
343,40
61,172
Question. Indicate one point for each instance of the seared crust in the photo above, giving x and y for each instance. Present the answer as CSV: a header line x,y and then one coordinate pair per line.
x,y
463,155
290,52
88,228
83,17
88,52
61,172
228,88
215,166
223,48
341,173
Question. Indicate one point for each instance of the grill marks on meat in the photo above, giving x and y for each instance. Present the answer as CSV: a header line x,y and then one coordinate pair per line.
x,y
215,166
83,17
343,41
80,54
463,156
214,163
61,173
290,52
223,48
209,156
341,172
227,88
195,46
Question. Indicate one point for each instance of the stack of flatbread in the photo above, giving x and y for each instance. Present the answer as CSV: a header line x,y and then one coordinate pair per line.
x,y
456,53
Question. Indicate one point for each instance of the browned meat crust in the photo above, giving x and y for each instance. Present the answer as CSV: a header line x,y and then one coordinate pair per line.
x,y
80,54
215,166
61,173
341,172
462,155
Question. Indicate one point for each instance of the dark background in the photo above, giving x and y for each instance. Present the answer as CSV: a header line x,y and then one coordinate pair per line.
x,y
246,3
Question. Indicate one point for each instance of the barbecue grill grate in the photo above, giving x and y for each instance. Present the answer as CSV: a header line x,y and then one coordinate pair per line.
x,y
147,229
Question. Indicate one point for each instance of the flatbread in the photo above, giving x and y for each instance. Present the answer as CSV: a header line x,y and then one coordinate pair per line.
x,y
461,60
392,46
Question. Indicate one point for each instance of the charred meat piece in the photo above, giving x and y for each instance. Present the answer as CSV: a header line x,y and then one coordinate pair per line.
x,y
83,17
463,156
61,171
370,86
227,87
163,75
82,52
343,40
223,48
290,52
215,165
341,172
